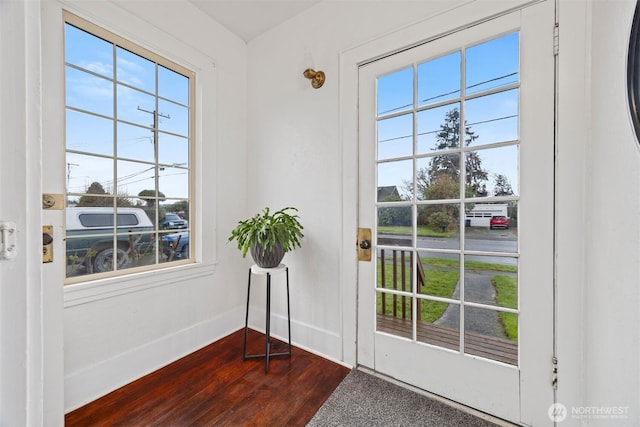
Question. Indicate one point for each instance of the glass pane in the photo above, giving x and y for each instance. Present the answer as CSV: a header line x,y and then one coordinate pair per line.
x,y
439,275
491,227
395,91
483,72
395,137
175,246
81,255
492,118
394,178
173,118
135,70
491,281
439,226
89,174
173,86
439,323
173,150
395,269
438,128
174,182
135,179
135,106
147,200
394,314
136,248
88,92
438,177
395,222
439,79
135,142
170,220
177,207
493,172
88,133
88,51
491,334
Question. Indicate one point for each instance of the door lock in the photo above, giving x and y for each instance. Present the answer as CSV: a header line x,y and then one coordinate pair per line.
x,y
47,243
364,244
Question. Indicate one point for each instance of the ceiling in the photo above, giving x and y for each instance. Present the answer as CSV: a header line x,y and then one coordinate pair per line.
x,y
249,18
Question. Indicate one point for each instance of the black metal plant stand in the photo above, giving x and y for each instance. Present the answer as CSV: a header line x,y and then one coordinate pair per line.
x,y
254,269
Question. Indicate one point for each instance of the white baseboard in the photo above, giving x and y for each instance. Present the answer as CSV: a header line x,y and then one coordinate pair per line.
x,y
318,341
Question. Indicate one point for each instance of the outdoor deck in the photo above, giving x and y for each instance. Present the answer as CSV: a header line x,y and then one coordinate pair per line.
x,y
499,349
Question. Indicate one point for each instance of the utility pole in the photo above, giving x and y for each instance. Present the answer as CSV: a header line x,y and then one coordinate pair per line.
x,y
69,165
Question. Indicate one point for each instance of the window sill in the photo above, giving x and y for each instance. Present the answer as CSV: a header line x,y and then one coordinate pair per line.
x,y
83,293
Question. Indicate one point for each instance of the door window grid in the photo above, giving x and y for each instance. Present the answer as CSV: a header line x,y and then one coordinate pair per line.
x,y
465,192
129,141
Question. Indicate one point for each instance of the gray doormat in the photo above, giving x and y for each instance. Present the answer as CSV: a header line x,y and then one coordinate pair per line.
x,y
362,399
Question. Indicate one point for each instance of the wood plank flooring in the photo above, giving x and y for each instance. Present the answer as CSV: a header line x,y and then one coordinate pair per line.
x,y
214,386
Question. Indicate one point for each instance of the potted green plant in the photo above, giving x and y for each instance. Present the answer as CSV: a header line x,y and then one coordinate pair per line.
x,y
268,235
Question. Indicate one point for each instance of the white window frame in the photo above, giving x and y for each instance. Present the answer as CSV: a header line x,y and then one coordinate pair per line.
x,y
104,278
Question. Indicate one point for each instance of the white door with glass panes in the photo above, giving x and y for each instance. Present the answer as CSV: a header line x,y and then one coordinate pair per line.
x,y
456,180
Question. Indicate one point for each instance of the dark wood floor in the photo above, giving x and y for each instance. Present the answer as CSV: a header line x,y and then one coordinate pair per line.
x,y
214,386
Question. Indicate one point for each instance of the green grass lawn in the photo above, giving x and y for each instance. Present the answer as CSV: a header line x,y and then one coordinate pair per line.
x,y
470,265
507,296
422,231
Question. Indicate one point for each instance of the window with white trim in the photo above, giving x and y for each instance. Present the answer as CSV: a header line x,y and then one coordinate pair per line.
x,y
129,143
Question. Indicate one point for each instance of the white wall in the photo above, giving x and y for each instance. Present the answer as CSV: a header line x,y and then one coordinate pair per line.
x,y
612,298
295,149
598,167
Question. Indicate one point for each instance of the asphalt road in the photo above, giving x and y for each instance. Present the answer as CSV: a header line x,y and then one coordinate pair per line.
x,y
476,239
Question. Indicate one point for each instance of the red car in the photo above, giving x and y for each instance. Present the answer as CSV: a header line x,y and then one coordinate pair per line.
x,y
499,221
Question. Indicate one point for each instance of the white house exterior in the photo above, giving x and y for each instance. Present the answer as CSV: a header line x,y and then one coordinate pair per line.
x,y
481,214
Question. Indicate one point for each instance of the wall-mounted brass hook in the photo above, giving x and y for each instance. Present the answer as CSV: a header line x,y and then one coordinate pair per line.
x,y
316,77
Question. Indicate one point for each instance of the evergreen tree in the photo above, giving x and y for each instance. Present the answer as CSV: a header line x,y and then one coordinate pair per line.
x,y
97,196
502,186
92,199
448,137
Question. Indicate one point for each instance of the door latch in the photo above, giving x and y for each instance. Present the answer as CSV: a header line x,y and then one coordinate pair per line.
x,y
7,240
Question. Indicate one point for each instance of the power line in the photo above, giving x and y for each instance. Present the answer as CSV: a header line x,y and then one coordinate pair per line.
x,y
455,91
438,130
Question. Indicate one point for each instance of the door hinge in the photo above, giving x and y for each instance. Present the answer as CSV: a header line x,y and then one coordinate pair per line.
x,y
556,39
554,373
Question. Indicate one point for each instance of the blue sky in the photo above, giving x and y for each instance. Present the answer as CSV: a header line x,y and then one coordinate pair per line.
x,y
92,130
493,117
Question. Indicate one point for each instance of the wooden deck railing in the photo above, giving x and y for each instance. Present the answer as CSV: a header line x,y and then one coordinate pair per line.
x,y
398,261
